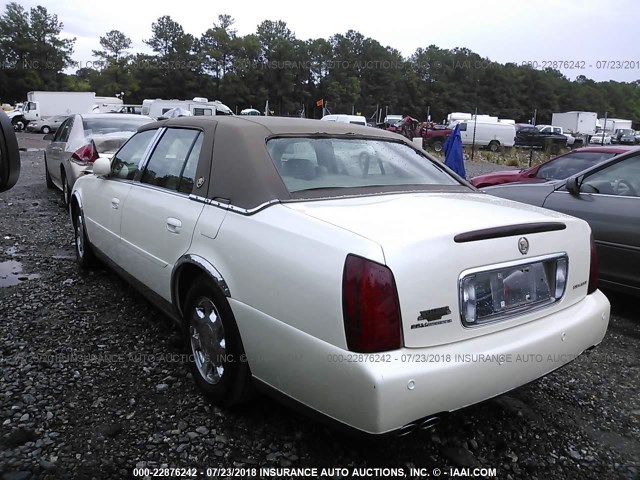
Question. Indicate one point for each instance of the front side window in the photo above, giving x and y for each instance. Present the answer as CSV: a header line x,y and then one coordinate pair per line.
x,y
126,162
621,178
173,157
336,163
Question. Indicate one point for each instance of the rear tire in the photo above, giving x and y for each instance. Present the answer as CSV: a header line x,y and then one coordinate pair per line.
x,y
45,129
47,177
494,145
66,191
217,359
437,146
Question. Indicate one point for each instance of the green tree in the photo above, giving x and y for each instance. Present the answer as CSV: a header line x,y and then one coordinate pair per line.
x,y
175,70
33,53
115,69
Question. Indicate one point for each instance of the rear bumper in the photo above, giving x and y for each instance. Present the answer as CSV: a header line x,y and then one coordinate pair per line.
x,y
381,393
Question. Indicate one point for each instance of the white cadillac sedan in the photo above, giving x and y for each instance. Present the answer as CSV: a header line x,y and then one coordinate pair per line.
x,y
338,266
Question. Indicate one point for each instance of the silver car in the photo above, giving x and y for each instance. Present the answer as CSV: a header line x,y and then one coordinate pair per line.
x,y
46,125
80,140
607,196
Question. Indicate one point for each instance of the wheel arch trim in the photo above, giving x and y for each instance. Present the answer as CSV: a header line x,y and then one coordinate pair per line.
x,y
206,267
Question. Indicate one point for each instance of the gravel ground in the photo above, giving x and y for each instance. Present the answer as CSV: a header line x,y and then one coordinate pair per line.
x,y
93,384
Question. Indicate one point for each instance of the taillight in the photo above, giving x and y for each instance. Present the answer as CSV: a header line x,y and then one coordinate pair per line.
x,y
85,154
593,269
370,306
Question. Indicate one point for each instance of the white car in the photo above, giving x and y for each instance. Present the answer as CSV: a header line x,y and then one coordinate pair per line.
x,y
601,138
80,140
375,288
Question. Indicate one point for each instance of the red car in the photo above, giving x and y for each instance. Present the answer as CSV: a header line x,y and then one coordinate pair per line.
x,y
557,168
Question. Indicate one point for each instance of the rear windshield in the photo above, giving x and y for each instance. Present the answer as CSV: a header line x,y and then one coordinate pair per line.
x,y
332,163
110,133
110,125
571,163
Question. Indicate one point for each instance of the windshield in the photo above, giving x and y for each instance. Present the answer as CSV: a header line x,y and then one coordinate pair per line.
x,y
570,164
329,163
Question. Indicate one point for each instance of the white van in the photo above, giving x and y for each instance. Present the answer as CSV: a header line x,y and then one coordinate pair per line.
x,y
355,119
493,135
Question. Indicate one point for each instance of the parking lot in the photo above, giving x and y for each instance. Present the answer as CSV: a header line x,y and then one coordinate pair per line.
x,y
94,384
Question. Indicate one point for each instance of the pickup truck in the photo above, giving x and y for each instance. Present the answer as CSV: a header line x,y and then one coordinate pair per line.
x,y
573,142
530,136
432,135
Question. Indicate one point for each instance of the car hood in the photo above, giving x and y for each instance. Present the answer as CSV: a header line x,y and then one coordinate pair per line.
x,y
502,176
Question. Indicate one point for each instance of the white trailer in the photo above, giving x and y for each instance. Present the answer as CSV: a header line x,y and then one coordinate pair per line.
x,y
576,123
197,106
107,104
460,116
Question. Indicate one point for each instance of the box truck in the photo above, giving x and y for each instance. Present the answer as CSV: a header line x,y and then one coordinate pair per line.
x,y
613,124
576,123
41,104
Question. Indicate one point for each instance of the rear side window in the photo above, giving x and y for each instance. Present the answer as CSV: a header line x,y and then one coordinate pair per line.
x,y
62,134
174,160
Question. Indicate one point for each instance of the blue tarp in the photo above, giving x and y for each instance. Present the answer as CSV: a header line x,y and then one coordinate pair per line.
x,y
453,156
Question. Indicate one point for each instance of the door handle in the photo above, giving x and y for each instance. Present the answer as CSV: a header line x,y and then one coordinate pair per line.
x,y
174,225
115,203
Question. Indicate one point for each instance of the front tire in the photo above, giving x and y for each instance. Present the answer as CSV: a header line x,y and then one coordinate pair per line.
x,y
18,125
84,251
494,146
437,146
217,359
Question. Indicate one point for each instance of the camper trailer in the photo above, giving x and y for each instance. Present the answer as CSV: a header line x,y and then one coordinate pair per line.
x,y
198,106
343,118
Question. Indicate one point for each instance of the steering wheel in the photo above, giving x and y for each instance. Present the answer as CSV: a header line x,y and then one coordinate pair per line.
x,y
623,187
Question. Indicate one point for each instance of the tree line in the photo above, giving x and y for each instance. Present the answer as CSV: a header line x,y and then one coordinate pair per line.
x,y
350,72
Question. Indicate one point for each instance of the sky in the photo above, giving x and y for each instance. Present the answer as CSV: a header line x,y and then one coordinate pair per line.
x,y
592,38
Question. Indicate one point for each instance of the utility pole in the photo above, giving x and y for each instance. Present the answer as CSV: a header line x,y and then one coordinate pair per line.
x,y
475,124
533,120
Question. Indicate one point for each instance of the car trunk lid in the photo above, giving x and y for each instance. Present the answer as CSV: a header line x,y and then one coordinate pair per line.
x,y
420,235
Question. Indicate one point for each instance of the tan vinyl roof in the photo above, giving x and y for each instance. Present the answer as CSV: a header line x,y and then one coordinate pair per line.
x,y
242,172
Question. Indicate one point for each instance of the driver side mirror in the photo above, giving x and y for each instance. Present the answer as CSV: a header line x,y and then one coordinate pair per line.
x,y
9,154
573,186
